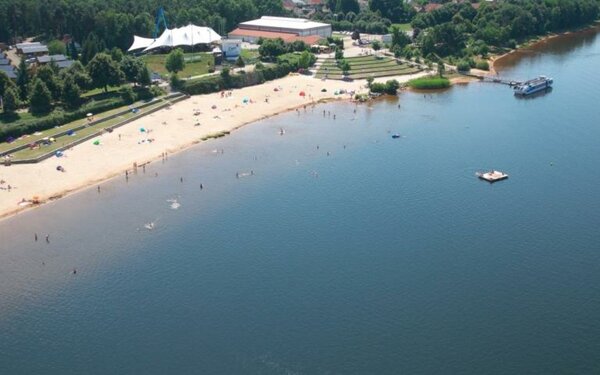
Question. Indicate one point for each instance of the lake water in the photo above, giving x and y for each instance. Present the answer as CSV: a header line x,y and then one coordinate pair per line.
x,y
337,250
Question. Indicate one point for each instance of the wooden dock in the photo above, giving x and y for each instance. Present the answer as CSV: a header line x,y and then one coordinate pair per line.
x,y
495,79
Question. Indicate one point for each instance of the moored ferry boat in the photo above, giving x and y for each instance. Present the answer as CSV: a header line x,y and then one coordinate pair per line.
x,y
533,86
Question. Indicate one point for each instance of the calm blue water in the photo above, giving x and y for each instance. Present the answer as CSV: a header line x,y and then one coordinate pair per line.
x,y
383,257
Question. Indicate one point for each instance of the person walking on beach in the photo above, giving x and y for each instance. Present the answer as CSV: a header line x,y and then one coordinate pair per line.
x,y
47,238
35,236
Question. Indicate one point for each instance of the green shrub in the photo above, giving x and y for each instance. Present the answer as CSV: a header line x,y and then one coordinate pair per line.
x,y
463,66
127,95
429,83
483,65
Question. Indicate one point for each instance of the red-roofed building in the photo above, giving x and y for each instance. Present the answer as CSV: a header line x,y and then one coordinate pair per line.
x,y
252,36
431,7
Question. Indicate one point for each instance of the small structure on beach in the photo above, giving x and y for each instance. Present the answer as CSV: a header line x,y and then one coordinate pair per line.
x,y
492,176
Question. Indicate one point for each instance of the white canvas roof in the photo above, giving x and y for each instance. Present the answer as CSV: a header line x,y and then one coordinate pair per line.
x,y
140,43
183,36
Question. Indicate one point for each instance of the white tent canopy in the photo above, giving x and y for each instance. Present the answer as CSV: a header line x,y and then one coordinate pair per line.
x,y
189,35
140,43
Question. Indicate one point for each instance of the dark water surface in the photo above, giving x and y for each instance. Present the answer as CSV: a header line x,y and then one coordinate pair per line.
x,y
384,257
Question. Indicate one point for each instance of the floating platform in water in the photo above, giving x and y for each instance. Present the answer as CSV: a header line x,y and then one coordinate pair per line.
x,y
492,176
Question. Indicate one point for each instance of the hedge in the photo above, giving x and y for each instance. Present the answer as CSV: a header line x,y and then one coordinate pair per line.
x,y
59,117
216,83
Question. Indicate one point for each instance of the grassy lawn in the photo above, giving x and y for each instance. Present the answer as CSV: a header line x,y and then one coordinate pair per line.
x,y
364,67
196,64
100,92
64,141
402,26
27,139
250,56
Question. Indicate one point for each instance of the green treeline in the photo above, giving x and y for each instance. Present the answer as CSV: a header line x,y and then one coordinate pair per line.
x,y
115,22
454,27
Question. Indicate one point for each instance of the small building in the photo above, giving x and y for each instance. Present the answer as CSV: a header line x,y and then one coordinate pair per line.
x,y
48,58
9,71
231,48
288,29
31,48
33,51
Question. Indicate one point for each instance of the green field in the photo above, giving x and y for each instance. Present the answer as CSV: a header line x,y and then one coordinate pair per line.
x,y
402,26
195,64
364,67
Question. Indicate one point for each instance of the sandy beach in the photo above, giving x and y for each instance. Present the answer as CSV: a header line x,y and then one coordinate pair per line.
x,y
166,131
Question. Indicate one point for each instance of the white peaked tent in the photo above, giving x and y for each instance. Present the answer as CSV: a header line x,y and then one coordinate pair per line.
x,y
189,35
140,43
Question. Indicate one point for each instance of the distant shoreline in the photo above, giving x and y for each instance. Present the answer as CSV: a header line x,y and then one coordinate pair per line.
x,y
495,59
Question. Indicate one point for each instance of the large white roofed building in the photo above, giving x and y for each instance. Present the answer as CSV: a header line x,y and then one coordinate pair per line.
x,y
298,26
288,29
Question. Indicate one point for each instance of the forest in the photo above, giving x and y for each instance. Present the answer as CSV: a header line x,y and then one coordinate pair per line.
x,y
114,22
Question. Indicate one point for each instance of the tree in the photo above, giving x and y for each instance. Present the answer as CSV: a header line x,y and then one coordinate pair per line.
x,y
399,38
23,80
91,47
339,54
240,62
344,65
47,75
304,61
10,100
441,67
132,68
376,45
56,47
116,54
128,95
395,10
176,83
175,61
79,74
355,35
71,93
104,72
40,99
370,80
271,48
143,77
5,83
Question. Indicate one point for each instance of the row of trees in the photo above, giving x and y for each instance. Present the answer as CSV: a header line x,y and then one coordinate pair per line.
x,y
461,30
115,22
45,86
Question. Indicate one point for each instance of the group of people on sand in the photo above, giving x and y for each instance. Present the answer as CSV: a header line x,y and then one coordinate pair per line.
x,y
226,94
7,187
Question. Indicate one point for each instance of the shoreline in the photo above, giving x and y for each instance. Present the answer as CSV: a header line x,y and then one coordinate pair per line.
x,y
170,131
494,59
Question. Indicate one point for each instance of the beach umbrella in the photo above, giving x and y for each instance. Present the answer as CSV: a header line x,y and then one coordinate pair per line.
x,y
70,132
52,140
89,115
142,130
59,154
97,142
323,90
10,139
302,93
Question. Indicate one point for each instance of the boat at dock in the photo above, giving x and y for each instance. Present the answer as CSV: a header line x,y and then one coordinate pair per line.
x,y
534,85
492,176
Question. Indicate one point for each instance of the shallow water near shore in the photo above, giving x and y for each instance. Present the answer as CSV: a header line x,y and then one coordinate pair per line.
x,y
333,249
